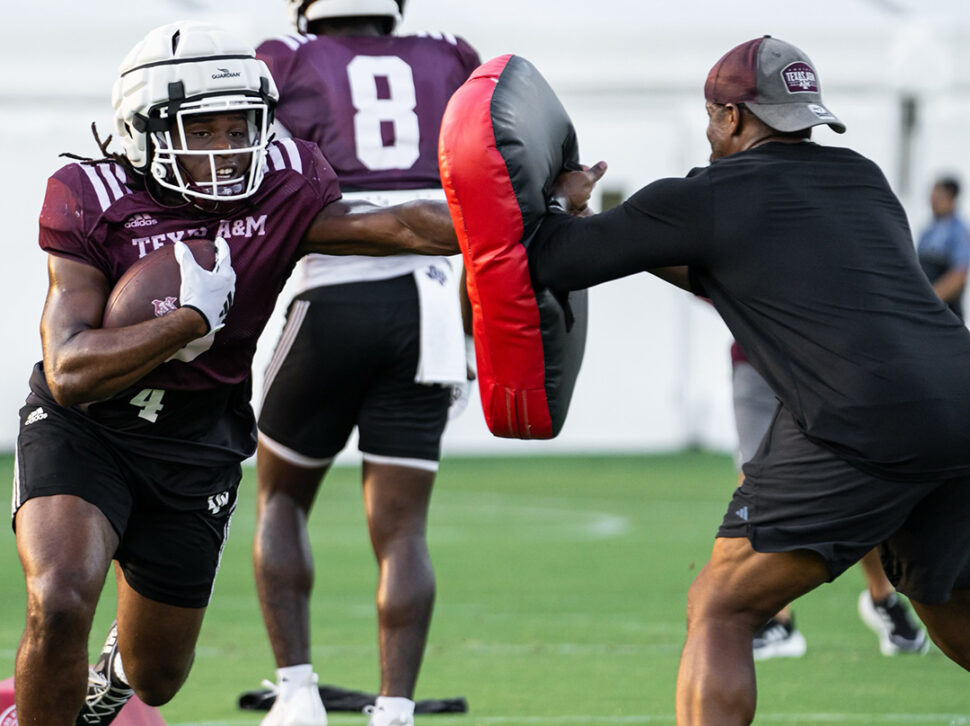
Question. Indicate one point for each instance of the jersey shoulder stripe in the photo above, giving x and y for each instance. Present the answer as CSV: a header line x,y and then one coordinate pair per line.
x,y
293,41
447,37
284,154
108,181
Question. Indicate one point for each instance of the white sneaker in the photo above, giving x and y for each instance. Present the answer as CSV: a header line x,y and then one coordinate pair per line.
x,y
380,717
303,708
776,639
892,622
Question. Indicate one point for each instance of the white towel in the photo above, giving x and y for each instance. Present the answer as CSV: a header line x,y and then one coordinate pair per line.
x,y
442,358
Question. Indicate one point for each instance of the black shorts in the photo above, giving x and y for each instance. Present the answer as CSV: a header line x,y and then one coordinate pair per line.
x,y
347,357
798,495
172,519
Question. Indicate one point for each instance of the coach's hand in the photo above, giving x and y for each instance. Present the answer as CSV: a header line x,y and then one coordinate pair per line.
x,y
571,189
208,293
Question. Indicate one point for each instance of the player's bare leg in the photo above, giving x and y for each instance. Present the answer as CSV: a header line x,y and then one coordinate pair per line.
x,y
156,643
735,592
949,625
879,585
65,545
282,559
396,499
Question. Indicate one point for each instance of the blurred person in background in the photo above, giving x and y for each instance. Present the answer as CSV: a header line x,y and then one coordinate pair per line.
x,y
944,247
372,343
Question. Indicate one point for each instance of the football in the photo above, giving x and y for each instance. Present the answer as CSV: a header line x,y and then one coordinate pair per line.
x,y
150,287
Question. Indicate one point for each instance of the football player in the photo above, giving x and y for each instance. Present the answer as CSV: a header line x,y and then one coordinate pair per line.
x,y
372,102
131,438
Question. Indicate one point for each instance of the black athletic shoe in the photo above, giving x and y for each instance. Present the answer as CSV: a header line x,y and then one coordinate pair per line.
x,y
891,621
106,697
776,639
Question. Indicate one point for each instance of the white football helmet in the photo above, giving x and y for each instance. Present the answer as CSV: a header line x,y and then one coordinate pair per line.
x,y
188,69
303,11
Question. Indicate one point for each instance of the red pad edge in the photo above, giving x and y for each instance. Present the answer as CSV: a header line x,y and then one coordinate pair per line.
x,y
488,222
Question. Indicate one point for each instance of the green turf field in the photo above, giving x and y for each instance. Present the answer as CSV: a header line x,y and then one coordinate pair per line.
x,y
561,589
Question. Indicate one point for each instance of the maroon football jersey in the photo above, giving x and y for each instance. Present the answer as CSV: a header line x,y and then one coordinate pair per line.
x,y
372,104
95,214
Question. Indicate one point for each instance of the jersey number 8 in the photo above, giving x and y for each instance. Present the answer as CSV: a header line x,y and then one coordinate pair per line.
x,y
374,114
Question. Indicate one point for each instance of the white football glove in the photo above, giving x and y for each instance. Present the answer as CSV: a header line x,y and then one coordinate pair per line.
x,y
208,293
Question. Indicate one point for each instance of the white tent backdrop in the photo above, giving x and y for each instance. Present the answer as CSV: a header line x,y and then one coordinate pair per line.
x,y
656,373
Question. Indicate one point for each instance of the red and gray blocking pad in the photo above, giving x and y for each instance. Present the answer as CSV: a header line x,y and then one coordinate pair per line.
x,y
134,713
504,139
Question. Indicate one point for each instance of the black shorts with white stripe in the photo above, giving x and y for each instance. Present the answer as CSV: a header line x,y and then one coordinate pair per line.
x,y
347,357
172,518
799,495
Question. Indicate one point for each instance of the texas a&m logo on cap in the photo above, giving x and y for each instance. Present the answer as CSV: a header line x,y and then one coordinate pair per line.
x,y
799,78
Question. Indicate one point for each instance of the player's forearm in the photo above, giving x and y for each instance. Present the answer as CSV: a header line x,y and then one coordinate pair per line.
x,y
420,227
97,363
428,228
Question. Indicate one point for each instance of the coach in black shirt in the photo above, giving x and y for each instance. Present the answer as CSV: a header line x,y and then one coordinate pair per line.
x,y
807,255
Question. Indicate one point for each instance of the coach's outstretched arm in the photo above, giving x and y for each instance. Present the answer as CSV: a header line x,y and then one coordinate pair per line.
x,y
658,227
358,228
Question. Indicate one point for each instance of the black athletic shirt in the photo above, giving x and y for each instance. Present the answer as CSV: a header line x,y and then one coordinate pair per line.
x,y
807,255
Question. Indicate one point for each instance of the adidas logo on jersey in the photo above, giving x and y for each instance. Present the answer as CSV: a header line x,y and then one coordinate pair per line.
x,y
38,414
743,513
140,220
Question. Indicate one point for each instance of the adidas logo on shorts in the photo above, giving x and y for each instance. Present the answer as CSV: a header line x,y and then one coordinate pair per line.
x,y
38,414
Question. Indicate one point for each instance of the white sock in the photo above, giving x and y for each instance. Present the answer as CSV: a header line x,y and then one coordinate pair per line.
x,y
292,677
394,705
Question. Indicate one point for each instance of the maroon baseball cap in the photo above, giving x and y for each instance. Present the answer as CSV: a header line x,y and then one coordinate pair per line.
x,y
775,80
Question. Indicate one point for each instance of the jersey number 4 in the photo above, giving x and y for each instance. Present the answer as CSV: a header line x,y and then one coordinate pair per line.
x,y
149,401
389,119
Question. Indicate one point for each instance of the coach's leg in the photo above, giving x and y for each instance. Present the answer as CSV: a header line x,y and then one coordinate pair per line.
x,y
282,558
65,546
396,499
735,592
156,643
949,625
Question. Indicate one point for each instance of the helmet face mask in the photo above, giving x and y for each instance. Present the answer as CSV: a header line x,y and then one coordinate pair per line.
x,y
178,75
229,173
